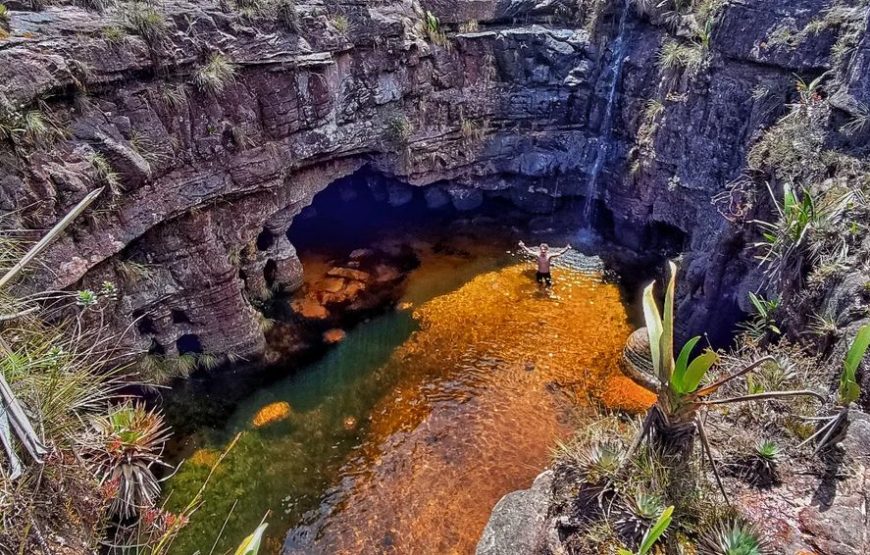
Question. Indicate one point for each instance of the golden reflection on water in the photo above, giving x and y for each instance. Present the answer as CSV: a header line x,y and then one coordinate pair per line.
x,y
480,405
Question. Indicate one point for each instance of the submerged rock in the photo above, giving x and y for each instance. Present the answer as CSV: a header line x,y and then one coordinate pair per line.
x,y
271,413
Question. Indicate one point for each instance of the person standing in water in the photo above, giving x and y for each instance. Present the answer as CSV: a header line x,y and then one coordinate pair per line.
x,y
543,254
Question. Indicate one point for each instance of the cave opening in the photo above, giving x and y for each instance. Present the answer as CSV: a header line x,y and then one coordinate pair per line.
x,y
365,207
188,343
179,316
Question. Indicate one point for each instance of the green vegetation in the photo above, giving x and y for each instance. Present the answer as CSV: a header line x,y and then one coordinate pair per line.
x,y
53,378
104,174
733,536
762,322
652,535
470,26
28,129
672,422
113,34
676,56
433,30
96,5
286,14
797,238
251,544
399,130
155,151
340,23
5,19
473,131
215,75
162,369
622,483
131,440
146,21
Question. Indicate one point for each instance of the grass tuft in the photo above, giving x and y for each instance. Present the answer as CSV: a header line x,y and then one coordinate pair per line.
x,y
215,75
144,20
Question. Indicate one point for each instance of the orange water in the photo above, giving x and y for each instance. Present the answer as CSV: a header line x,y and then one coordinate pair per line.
x,y
481,406
411,456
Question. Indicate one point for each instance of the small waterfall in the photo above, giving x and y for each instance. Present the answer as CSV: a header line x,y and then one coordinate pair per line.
x,y
617,49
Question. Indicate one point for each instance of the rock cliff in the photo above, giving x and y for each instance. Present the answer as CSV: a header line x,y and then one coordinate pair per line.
x,y
205,174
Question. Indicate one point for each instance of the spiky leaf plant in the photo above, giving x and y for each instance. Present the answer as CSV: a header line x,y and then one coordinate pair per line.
x,y
144,20
759,468
788,243
734,536
834,426
132,442
653,534
634,516
601,462
672,422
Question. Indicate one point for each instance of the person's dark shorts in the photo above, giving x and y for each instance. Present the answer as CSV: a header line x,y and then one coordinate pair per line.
x,y
544,278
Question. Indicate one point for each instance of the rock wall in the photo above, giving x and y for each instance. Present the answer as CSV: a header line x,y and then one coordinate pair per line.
x,y
512,105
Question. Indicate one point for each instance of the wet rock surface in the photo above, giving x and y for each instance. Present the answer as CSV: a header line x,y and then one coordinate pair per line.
x,y
346,291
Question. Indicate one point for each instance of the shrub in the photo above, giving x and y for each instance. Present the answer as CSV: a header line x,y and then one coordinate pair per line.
x,y
95,5
635,516
789,243
472,130
154,151
673,421
652,535
29,129
56,372
5,17
652,110
215,75
762,321
600,462
470,26
433,29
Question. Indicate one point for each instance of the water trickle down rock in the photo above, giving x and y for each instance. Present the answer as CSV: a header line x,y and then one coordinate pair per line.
x,y
603,145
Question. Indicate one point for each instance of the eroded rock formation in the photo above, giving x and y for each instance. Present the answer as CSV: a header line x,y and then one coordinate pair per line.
x,y
209,178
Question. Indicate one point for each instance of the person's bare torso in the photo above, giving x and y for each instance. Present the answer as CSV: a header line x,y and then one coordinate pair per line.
x,y
544,262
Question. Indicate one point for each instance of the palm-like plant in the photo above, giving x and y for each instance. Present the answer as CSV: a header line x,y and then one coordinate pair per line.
x,y
672,423
132,442
849,391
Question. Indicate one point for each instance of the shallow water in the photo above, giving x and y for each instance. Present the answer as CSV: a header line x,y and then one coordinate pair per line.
x,y
403,437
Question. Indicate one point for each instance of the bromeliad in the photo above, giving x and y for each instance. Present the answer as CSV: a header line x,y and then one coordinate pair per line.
x,y
673,422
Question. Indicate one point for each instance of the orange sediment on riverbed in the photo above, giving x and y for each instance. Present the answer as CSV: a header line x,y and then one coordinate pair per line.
x,y
491,382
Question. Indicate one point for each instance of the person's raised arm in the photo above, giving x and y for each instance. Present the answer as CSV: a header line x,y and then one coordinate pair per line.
x,y
532,252
560,252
